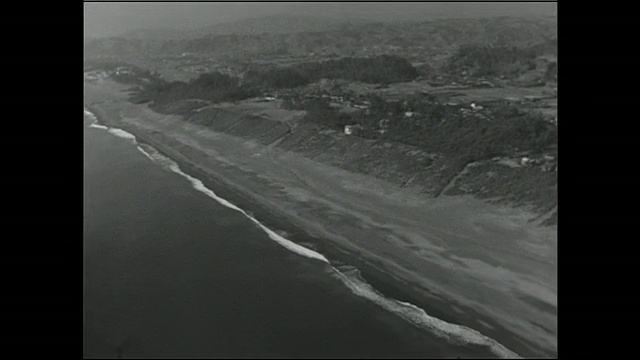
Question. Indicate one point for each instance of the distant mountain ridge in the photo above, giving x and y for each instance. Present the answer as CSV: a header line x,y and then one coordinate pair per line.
x,y
299,36
277,24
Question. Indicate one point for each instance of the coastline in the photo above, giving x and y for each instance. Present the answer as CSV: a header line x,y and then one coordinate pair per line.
x,y
380,271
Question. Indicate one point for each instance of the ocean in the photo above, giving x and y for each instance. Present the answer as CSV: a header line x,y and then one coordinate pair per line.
x,y
172,270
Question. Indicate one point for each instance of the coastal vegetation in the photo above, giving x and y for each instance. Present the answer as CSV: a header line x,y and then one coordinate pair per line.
x,y
217,87
448,147
499,131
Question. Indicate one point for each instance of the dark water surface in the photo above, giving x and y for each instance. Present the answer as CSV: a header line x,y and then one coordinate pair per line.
x,y
168,272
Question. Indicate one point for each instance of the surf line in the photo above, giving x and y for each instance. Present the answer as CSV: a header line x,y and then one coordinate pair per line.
x,y
417,316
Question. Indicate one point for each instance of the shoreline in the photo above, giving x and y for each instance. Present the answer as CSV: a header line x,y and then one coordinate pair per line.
x,y
384,283
373,270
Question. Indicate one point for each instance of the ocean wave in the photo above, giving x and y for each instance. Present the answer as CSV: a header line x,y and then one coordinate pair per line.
x,y
456,334
91,116
122,134
350,276
89,113
169,164
164,162
96,126
145,153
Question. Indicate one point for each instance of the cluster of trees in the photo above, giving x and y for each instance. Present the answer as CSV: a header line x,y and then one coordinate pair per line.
x,y
214,87
277,78
379,69
373,70
500,131
509,61
320,112
440,128
217,87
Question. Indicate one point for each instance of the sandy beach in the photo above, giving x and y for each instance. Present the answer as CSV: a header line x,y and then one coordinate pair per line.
x,y
463,260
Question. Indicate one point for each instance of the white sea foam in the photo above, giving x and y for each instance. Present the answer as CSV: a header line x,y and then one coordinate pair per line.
x,y
351,278
122,134
454,333
169,164
145,153
91,116
162,161
117,132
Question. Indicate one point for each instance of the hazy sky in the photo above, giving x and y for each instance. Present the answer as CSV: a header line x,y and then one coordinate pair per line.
x,y
109,19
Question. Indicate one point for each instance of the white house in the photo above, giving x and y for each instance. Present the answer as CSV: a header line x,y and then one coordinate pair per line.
x,y
349,129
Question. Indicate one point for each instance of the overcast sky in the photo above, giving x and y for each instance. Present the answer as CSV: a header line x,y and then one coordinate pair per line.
x,y
110,19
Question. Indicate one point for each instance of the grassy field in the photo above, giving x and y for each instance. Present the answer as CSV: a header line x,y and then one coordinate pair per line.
x,y
520,186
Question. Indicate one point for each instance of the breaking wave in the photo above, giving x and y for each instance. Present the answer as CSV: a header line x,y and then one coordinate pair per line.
x,y
94,120
89,114
350,276
123,134
456,334
145,153
169,164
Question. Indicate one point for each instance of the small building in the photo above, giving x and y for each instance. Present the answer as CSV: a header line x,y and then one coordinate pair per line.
x,y
476,107
349,129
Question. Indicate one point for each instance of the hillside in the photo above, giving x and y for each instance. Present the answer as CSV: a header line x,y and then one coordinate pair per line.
x,y
280,24
300,36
